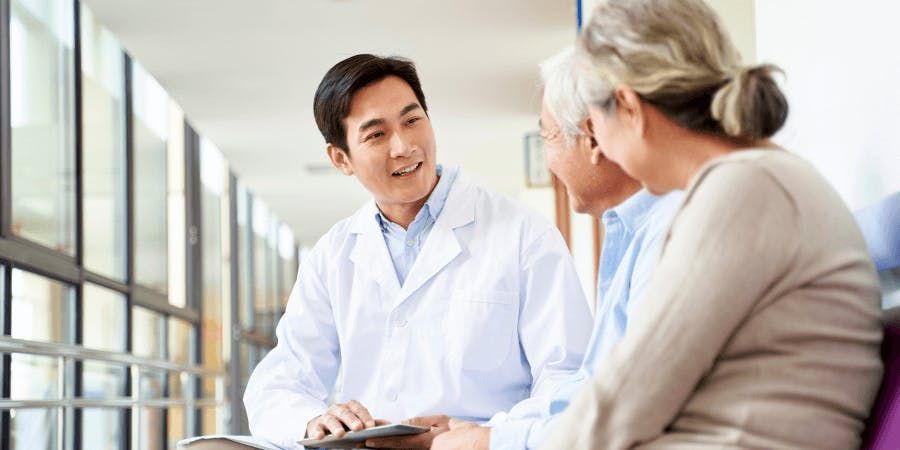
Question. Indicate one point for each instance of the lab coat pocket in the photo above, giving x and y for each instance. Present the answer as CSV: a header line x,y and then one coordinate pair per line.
x,y
482,330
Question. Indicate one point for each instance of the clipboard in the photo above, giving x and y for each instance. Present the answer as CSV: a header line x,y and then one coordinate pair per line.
x,y
352,438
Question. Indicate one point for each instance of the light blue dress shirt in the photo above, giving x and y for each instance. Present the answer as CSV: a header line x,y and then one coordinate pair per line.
x,y
405,245
633,235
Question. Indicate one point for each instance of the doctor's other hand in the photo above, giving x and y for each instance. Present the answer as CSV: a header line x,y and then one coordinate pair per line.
x,y
339,418
437,424
463,436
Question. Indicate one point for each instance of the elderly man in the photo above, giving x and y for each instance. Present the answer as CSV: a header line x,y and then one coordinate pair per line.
x,y
634,223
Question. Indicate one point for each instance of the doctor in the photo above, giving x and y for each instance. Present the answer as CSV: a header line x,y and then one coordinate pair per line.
x,y
438,298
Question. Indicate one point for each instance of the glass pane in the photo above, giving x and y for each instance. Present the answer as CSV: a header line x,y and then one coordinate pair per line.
x,y
147,333
176,205
288,254
34,429
212,171
107,307
103,137
41,308
151,134
261,268
273,303
177,425
245,367
152,383
103,380
176,386
245,280
42,122
101,428
209,387
34,377
150,428
211,420
181,341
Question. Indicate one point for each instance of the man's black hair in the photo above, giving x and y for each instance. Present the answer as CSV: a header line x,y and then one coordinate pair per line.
x,y
332,101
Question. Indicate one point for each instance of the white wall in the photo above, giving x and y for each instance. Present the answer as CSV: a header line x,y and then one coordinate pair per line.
x,y
842,70
541,200
739,19
736,14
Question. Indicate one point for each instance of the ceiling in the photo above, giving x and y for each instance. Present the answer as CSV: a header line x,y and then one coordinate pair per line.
x,y
245,73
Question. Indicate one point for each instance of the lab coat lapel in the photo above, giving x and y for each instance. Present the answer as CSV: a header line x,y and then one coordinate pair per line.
x,y
370,254
442,245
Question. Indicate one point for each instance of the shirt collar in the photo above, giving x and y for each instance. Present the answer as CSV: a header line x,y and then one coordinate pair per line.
x,y
633,211
436,201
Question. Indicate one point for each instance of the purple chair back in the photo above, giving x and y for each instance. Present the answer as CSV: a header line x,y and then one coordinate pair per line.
x,y
883,427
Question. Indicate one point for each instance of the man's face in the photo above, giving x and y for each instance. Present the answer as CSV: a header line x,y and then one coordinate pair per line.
x,y
592,187
390,142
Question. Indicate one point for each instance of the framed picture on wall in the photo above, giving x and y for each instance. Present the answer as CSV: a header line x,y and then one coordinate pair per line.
x,y
536,173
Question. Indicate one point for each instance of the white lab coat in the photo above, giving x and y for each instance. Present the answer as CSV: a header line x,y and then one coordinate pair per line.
x,y
491,313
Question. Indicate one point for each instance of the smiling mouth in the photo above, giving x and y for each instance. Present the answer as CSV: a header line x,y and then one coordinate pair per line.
x,y
407,170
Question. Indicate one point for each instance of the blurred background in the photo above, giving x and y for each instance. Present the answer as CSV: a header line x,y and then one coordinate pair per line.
x,y
162,174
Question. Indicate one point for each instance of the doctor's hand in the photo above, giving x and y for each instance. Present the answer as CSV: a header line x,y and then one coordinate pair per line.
x,y
463,436
339,418
438,424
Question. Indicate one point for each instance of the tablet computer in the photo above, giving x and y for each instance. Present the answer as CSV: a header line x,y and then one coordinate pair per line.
x,y
352,438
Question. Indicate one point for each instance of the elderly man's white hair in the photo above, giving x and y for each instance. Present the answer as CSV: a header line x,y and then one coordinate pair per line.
x,y
561,94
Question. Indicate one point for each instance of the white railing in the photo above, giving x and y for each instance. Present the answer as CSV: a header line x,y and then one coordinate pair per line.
x,y
67,354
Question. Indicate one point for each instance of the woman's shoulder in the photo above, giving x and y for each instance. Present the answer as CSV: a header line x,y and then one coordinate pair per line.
x,y
775,162
748,172
775,181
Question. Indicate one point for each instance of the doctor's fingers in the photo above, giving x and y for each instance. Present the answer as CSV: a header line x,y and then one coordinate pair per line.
x,y
361,412
325,423
348,417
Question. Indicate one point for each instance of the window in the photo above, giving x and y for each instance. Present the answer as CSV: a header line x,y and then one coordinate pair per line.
x,y
150,118
41,309
213,177
103,380
103,138
102,428
181,350
263,271
87,276
148,340
34,429
42,122
245,258
176,208
108,307
287,252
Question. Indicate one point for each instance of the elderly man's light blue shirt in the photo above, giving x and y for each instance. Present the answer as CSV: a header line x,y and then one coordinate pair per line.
x,y
405,245
633,235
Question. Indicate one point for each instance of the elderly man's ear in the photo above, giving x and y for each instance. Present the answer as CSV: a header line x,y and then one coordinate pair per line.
x,y
587,127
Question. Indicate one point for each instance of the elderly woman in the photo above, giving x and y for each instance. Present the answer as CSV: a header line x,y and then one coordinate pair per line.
x,y
760,326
